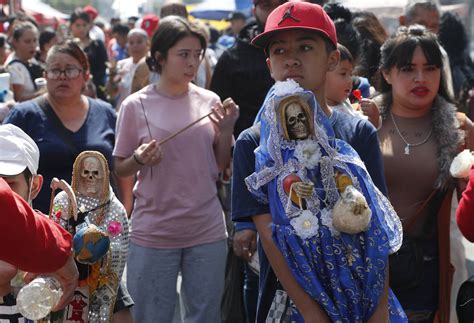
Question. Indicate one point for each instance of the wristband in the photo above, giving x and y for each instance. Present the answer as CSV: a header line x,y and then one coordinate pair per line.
x,y
136,159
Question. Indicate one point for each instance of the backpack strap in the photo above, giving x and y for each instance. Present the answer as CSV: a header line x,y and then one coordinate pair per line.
x,y
29,69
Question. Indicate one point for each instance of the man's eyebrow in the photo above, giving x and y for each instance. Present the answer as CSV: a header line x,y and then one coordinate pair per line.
x,y
273,42
302,38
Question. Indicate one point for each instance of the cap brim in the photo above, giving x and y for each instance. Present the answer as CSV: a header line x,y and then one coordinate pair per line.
x,y
8,168
263,39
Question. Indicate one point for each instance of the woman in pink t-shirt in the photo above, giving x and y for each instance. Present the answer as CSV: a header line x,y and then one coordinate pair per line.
x,y
177,220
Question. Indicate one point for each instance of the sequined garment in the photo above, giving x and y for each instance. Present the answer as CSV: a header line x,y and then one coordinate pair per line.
x,y
344,273
103,277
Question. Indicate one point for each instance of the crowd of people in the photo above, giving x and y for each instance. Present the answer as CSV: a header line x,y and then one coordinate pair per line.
x,y
234,155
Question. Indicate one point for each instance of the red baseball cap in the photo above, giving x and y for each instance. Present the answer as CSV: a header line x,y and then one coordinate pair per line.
x,y
297,15
150,24
91,11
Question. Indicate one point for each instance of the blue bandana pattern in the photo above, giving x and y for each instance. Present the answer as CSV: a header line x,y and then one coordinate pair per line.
x,y
344,273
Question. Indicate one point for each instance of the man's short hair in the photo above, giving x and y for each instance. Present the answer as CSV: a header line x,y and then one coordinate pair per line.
x,y
413,5
121,29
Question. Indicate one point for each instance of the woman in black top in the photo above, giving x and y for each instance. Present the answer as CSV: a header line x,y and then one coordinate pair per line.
x,y
95,49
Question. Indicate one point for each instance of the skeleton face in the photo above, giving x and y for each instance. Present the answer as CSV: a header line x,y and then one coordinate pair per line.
x,y
91,176
296,122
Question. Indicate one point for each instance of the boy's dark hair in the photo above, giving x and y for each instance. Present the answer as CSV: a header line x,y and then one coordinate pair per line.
x,y
27,174
398,50
45,37
80,14
171,30
121,29
345,54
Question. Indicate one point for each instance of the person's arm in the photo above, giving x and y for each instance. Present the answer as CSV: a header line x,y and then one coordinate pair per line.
x,y
465,210
31,241
224,118
148,154
307,306
20,96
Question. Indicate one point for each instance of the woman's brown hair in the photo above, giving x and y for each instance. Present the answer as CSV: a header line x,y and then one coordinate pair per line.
x,y
171,30
72,49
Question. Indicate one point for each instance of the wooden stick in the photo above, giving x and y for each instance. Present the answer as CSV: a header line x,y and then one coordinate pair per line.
x,y
185,128
225,103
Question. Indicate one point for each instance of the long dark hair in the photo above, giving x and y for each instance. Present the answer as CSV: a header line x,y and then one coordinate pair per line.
x,y
397,51
372,35
170,31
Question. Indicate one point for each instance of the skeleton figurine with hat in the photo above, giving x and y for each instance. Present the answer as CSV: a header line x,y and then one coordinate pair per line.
x,y
100,229
333,226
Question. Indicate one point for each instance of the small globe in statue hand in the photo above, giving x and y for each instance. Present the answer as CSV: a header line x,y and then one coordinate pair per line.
x,y
90,244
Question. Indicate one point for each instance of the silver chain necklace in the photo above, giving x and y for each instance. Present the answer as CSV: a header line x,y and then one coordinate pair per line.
x,y
408,145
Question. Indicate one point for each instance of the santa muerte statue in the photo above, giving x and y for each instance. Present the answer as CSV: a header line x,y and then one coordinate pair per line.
x,y
333,227
100,230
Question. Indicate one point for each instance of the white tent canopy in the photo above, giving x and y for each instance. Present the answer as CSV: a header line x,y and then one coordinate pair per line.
x,y
40,7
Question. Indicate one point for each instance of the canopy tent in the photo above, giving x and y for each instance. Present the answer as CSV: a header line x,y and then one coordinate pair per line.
x,y
220,9
43,13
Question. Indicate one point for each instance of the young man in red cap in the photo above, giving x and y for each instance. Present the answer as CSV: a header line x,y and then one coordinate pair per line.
x,y
300,43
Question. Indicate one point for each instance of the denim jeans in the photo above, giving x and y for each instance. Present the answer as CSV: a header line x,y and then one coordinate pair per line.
x,y
152,275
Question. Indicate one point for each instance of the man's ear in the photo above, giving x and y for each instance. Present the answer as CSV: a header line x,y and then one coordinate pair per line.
x,y
333,60
36,185
402,20
269,65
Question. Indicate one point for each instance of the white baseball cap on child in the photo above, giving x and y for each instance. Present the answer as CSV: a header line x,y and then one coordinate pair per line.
x,y
17,151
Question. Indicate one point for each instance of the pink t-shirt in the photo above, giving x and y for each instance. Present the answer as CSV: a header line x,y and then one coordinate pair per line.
x,y
176,203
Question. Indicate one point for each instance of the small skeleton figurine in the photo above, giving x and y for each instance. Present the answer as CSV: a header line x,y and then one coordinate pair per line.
x,y
296,119
100,232
351,214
